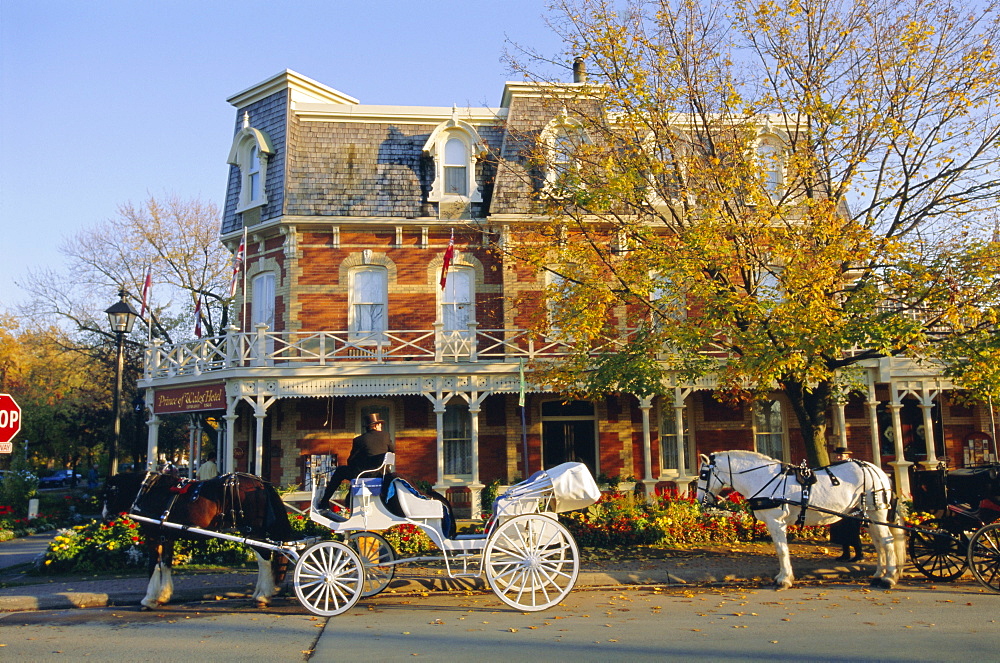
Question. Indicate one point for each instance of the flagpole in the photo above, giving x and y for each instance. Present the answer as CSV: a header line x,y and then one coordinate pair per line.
x,y
243,295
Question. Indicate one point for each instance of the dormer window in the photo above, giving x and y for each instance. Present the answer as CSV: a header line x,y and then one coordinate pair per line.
x,y
455,146
456,167
253,174
561,139
250,153
771,156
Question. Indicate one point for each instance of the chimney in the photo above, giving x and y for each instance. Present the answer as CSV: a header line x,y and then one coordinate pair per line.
x,y
579,70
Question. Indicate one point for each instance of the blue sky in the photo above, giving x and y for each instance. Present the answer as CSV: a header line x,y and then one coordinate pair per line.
x,y
104,102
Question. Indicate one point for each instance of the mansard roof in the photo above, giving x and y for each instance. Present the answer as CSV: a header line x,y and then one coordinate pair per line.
x,y
336,157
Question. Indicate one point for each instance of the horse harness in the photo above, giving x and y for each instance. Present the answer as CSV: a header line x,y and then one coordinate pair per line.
x,y
803,475
232,501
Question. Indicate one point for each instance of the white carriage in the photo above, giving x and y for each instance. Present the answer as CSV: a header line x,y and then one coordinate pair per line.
x,y
529,558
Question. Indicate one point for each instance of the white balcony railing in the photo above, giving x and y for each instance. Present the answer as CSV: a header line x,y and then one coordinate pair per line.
x,y
263,348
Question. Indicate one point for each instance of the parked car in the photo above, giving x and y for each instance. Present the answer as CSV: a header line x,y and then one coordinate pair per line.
x,y
58,479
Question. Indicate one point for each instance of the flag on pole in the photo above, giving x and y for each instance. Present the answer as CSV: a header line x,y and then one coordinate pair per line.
x,y
198,317
449,256
147,285
238,265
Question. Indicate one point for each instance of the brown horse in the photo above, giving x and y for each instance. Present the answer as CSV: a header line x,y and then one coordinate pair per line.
x,y
237,504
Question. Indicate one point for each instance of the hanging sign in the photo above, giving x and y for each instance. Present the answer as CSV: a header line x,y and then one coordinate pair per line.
x,y
190,399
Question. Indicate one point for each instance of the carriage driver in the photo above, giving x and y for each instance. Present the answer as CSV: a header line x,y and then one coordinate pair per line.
x,y
367,453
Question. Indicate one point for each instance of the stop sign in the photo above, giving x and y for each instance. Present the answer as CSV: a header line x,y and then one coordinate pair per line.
x,y
10,418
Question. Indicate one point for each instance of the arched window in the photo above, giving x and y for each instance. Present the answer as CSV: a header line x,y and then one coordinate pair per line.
x,y
253,174
250,153
262,305
369,292
771,155
262,308
456,167
455,145
457,299
769,429
561,142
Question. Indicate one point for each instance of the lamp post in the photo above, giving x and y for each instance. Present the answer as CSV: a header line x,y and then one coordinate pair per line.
x,y
122,316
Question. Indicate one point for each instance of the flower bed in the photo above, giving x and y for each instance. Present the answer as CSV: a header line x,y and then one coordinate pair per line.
x,y
670,520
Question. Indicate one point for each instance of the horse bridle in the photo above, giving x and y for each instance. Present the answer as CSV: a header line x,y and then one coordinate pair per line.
x,y
705,473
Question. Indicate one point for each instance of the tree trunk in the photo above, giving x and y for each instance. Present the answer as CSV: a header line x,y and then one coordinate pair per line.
x,y
810,406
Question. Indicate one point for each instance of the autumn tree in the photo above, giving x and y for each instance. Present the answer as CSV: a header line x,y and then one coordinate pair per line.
x,y
174,238
177,239
769,191
63,395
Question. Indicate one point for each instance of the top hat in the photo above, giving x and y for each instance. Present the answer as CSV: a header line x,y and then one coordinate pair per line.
x,y
841,450
372,419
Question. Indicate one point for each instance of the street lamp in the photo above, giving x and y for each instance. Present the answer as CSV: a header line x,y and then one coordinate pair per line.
x,y
122,316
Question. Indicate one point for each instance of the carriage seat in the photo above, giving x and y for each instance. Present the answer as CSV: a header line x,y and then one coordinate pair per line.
x,y
415,505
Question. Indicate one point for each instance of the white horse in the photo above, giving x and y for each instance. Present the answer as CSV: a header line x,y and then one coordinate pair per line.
x,y
776,495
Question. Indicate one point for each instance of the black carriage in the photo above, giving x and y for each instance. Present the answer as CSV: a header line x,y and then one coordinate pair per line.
x,y
965,529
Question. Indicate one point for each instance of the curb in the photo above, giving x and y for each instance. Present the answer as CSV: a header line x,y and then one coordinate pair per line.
x,y
61,597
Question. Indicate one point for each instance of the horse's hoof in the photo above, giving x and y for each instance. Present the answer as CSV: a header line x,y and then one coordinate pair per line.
x,y
883,583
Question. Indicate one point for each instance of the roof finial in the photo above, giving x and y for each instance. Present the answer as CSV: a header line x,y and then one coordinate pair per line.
x,y
246,119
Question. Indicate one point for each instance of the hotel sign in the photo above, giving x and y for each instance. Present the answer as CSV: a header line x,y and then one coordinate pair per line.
x,y
190,399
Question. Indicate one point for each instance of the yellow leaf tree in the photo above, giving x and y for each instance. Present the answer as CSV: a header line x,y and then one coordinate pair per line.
x,y
768,191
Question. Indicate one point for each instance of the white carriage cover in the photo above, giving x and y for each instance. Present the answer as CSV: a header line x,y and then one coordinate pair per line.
x,y
570,485
573,486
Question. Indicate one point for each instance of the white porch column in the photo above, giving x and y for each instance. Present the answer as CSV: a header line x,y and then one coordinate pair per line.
x,y
927,407
192,436
683,478
228,461
872,404
259,414
439,418
645,404
900,466
840,421
476,486
152,442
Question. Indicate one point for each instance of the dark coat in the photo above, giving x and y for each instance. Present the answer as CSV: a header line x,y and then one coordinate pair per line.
x,y
369,450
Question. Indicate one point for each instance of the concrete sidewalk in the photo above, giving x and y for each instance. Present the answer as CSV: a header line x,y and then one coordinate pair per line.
x,y
751,563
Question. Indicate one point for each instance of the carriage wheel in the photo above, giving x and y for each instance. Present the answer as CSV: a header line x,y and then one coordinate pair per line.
x,y
939,557
531,562
374,550
984,556
329,578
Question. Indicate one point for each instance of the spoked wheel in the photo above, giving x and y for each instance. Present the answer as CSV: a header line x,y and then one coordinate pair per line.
x,y
531,562
984,556
329,578
937,556
374,550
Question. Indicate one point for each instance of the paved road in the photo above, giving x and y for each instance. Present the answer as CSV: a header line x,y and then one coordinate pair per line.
x,y
817,622
23,550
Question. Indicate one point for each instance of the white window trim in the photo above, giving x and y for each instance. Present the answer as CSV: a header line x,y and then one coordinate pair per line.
x,y
475,149
466,269
549,140
367,337
773,148
785,449
239,155
463,478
